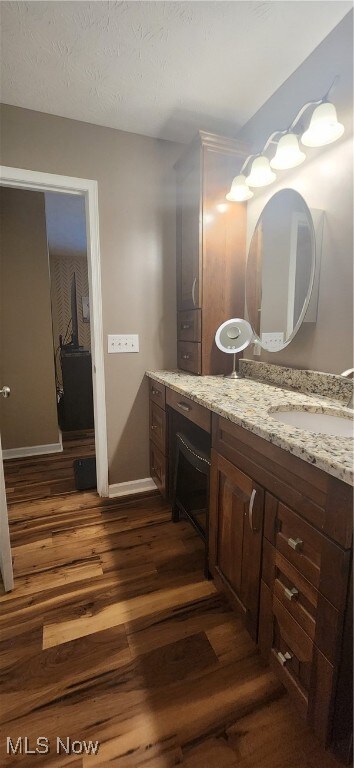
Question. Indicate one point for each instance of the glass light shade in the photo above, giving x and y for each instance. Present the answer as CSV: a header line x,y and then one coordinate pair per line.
x,y
261,174
324,126
239,191
288,154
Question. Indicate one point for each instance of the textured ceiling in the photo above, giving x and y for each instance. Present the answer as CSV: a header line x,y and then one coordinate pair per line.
x,y
161,69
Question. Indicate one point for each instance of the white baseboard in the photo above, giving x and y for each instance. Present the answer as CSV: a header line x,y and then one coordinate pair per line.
x,y
32,450
133,486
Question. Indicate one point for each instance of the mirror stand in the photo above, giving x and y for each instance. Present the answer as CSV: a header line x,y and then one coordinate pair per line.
x,y
234,373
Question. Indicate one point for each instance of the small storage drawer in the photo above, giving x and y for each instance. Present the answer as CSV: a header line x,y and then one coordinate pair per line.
x,y
292,590
158,426
188,408
189,356
158,467
287,647
315,556
157,393
301,667
189,325
315,615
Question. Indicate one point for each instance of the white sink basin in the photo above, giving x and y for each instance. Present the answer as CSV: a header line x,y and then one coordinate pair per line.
x,y
313,421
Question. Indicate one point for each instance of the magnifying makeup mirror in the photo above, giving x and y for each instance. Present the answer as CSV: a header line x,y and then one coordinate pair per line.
x,y
231,337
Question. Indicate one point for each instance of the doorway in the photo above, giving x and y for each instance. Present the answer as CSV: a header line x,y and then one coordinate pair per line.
x,y
87,191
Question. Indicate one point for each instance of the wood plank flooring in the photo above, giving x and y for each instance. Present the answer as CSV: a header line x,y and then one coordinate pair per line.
x,y
38,477
112,634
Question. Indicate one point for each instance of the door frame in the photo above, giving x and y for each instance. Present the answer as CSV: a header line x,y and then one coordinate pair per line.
x,y
87,188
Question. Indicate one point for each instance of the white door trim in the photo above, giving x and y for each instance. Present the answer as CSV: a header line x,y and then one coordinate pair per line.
x,y
5,548
50,182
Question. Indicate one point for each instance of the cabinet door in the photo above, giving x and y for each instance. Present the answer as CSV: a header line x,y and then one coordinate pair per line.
x,y
188,226
235,537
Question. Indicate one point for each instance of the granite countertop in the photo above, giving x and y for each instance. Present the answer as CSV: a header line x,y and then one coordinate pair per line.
x,y
247,402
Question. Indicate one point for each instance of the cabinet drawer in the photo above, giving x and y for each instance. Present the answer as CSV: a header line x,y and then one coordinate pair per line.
x,y
158,426
301,667
157,393
189,356
287,647
189,325
188,408
158,467
324,564
315,615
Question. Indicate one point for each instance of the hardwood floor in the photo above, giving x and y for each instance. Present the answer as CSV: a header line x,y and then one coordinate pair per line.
x,y
38,477
112,634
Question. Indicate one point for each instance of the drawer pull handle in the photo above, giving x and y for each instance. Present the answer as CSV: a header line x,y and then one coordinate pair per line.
x,y
193,290
250,509
184,407
291,594
153,426
185,357
155,392
284,657
295,544
185,326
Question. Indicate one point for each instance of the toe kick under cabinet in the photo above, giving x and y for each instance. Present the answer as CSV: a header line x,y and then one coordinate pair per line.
x,y
280,548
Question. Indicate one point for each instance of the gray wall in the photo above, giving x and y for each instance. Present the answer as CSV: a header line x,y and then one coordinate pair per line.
x,y
29,416
325,180
137,209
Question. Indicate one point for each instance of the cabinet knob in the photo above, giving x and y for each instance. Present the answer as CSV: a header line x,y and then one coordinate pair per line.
x,y
155,391
284,657
185,357
153,426
291,594
185,326
295,544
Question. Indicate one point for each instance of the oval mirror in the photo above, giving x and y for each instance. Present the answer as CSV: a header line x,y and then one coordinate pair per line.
x,y
280,270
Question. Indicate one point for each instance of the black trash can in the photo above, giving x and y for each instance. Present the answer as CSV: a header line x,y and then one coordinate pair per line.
x,y
85,473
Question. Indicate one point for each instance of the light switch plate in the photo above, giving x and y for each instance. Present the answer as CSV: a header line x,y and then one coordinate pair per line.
x,y
128,342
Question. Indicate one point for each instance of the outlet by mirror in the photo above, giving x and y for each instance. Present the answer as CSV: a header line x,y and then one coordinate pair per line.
x,y
280,269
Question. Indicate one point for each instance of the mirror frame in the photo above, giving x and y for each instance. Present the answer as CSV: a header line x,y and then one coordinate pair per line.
x,y
312,276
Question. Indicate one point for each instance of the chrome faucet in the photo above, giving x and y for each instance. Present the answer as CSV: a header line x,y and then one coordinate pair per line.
x,y
346,374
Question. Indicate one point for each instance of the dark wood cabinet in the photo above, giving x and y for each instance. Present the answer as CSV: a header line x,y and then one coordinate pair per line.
x,y
211,250
235,537
280,548
158,435
305,553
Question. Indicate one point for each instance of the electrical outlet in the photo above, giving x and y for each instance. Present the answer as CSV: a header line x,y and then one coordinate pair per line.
x,y
257,349
273,341
123,342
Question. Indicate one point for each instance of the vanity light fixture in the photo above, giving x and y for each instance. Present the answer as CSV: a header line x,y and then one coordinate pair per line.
x,y
288,154
239,190
261,173
324,128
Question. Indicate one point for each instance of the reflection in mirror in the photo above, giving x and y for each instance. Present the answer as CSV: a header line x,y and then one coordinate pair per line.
x,y
280,269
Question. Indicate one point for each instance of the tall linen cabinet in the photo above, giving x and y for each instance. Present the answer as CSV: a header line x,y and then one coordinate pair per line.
x,y
211,250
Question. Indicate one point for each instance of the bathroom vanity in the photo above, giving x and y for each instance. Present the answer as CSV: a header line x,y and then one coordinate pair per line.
x,y
280,525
